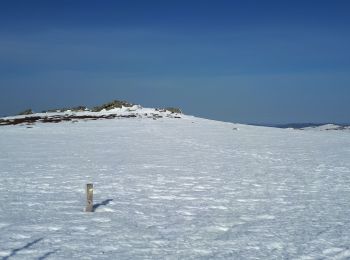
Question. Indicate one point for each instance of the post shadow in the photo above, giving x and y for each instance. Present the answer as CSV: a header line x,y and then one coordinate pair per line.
x,y
103,203
16,250
47,255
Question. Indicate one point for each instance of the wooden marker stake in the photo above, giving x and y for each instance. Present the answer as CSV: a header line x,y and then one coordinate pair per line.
x,y
89,197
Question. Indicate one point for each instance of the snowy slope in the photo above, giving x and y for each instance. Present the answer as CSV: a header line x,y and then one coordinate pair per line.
x,y
171,188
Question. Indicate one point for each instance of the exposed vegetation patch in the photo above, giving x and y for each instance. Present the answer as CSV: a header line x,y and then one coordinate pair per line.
x,y
59,118
112,105
26,112
79,109
73,109
174,110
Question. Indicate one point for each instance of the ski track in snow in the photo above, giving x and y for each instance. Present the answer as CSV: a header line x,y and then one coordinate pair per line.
x,y
176,188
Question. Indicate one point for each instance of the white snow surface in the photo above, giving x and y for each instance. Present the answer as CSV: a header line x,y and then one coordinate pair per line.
x,y
171,188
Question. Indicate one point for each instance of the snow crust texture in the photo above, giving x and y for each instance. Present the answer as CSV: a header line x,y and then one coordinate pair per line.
x,y
184,188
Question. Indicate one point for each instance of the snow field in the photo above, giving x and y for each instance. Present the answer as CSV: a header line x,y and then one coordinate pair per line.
x,y
173,189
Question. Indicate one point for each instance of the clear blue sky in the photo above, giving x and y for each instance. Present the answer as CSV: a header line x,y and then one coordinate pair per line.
x,y
242,61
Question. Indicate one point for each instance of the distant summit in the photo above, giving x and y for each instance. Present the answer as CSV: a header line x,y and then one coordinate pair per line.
x,y
327,127
104,107
110,110
313,126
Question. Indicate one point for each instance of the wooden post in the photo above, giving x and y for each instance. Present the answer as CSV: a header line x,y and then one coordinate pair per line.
x,y
89,197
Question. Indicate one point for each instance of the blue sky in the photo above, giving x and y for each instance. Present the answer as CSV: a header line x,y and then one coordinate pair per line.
x,y
241,61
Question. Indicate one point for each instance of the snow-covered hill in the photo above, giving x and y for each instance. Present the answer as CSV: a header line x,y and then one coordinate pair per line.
x,y
133,111
173,188
328,127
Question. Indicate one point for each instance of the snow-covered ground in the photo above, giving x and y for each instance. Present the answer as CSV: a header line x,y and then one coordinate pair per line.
x,y
171,188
